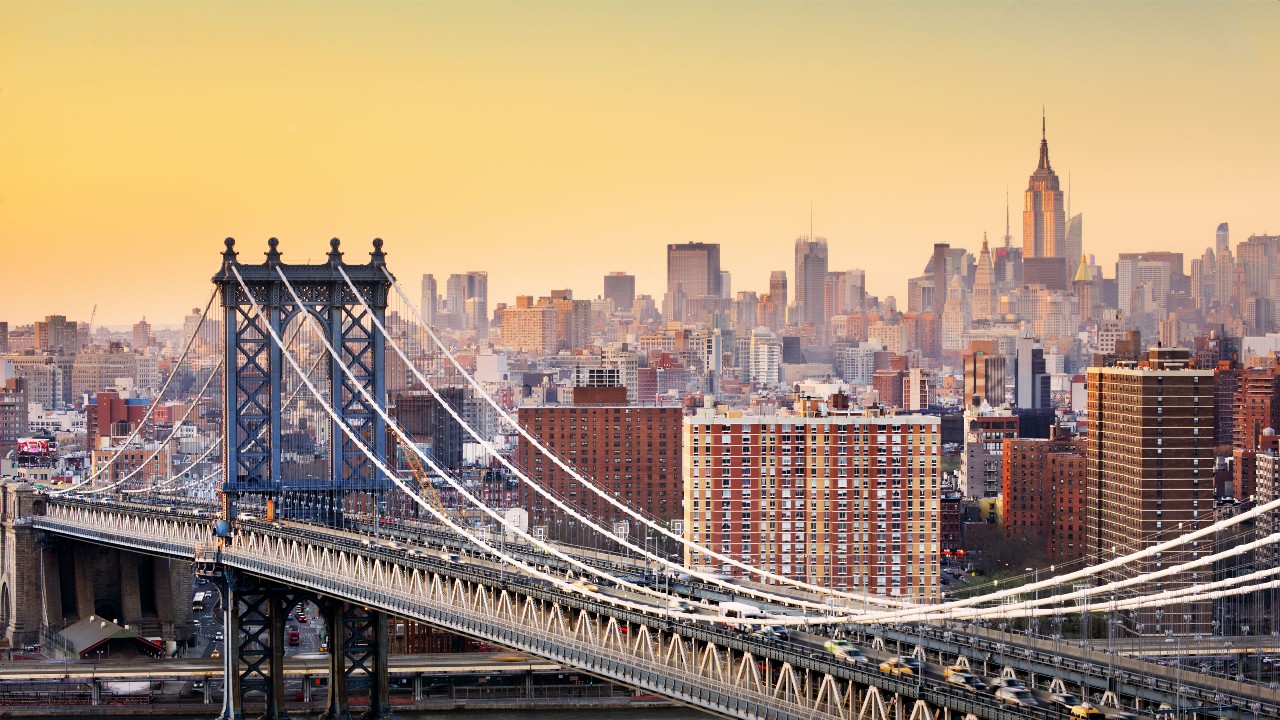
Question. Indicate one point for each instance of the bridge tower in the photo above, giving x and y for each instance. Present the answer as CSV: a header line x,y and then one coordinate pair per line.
x,y
255,372
255,485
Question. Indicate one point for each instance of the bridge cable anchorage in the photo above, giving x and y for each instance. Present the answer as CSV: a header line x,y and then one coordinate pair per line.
x,y
408,490
407,442
159,396
1094,569
555,500
81,490
203,456
867,598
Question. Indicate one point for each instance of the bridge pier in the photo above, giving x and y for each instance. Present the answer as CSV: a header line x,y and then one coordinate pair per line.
x,y
336,706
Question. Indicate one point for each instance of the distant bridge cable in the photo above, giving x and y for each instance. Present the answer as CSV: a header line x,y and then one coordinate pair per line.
x,y
155,403
558,502
623,507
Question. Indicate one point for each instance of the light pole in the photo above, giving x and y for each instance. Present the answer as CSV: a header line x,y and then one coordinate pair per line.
x,y
1036,581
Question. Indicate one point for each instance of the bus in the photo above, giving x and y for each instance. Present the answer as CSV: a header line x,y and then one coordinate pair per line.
x,y
197,602
295,637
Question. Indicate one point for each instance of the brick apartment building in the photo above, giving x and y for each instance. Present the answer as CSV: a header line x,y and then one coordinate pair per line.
x,y
1042,498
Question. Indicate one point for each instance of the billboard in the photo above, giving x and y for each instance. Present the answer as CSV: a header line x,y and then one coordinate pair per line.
x,y
36,451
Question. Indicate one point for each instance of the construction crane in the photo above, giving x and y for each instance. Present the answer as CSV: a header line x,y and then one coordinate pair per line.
x,y
424,483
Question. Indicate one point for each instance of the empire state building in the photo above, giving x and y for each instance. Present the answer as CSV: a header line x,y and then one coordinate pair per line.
x,y
1044,224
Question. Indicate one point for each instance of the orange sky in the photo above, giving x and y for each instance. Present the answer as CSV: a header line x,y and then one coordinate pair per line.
x,y
551,143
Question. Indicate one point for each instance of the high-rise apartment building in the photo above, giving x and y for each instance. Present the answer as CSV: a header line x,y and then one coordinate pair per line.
x,y
842,500
4,338
620,287
1044,223
1042,495
1150,468
631,452
1256,408
1223,237
13,414
530,328
811,278
985,430
142,337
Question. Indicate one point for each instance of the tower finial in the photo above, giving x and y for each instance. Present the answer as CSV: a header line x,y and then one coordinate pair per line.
x,y
1043,135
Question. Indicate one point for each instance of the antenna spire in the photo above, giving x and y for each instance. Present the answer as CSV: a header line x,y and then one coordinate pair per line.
x,y
1007,237
811,220
1043,135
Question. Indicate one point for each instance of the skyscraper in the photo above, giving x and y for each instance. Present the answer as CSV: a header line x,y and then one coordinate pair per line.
x,y
430,298
984,285
1044,223
1031,382
620,287
811,277
1223,237
1075,243
694,268
460,289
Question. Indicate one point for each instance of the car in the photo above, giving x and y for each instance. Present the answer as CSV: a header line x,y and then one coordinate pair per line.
x,y
1085,711
197,685
1016,696
1123,716
219,635
901,666
1007,682
680,605
1066,700
216,653
969,682
781,631
950,670
585,586
766,634
840,648
302,617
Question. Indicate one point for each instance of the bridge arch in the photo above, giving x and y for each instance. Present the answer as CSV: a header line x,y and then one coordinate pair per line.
x,y
6,607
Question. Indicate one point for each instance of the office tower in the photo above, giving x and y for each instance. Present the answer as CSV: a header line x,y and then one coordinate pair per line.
x,y
1137,277
817,521
726,285
984,285
142,338
633,453
1043,494
1223,237
1031,382
430,299
430,425
773,306
620,287
694,269
955,315
746,310
4,338
1044,222
1088,293
811,277
1150,467
938,269
57,334
983,375
1074,247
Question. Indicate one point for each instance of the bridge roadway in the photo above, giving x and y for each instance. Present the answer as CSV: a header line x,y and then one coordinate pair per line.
x,y
699,664
313,664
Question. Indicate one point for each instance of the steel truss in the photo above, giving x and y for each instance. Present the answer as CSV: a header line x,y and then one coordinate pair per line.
x,y
255,380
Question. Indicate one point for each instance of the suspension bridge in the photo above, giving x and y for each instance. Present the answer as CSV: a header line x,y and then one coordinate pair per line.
x,y
309,345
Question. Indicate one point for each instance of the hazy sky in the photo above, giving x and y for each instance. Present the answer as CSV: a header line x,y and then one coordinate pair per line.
x,y
551,143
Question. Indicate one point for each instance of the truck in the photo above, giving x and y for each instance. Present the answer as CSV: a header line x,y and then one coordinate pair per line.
x,y
295,636
737,610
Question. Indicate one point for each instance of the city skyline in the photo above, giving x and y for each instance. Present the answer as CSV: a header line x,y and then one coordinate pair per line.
x,y
603,132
